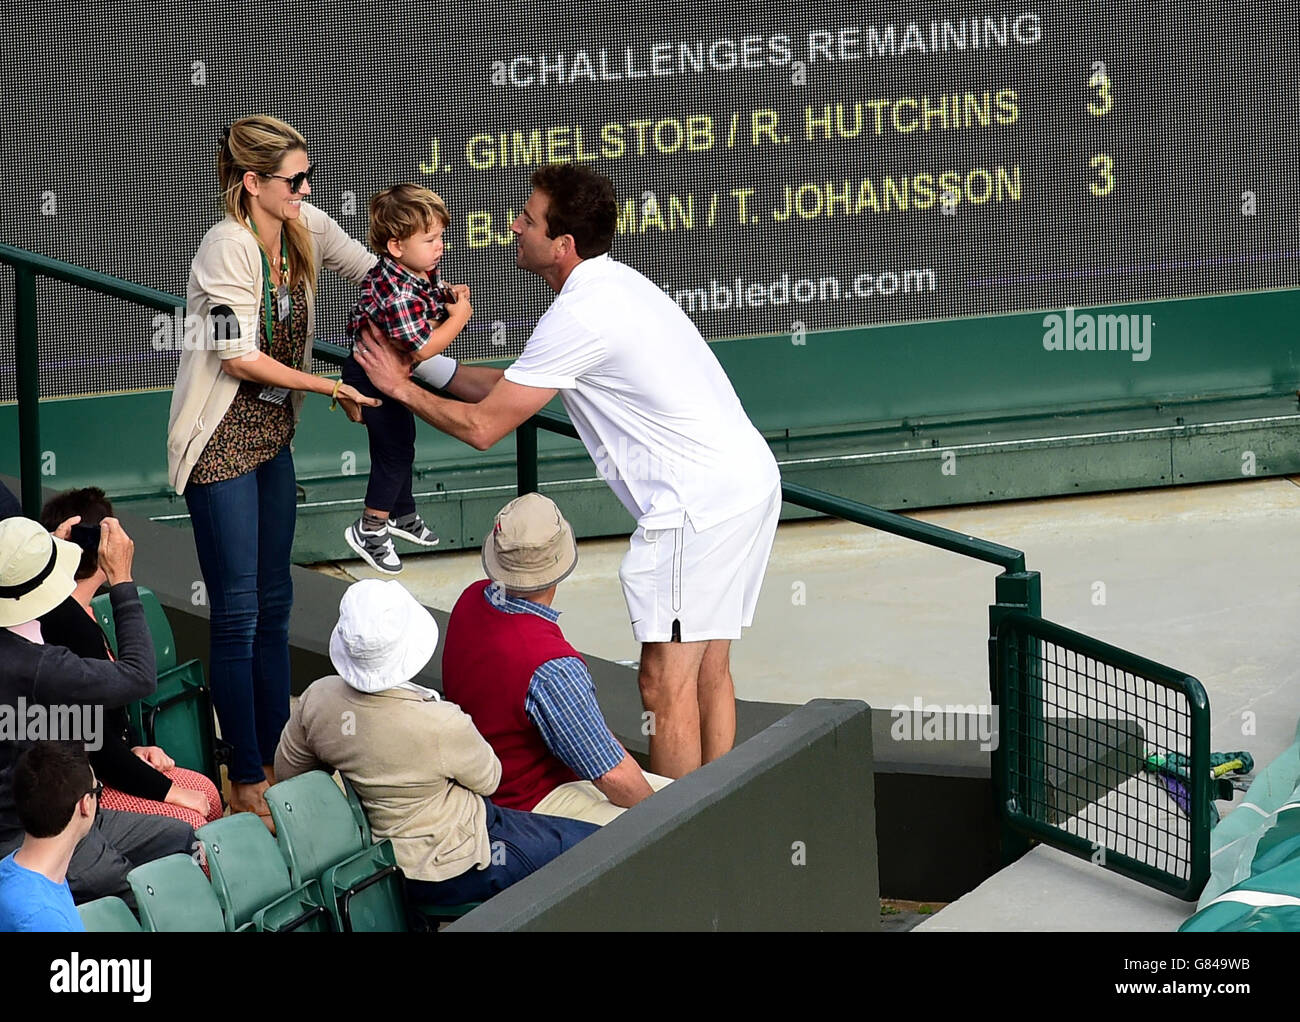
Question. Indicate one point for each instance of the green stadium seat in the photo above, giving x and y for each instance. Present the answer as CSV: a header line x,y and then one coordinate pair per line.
x,y
164,643
174,896
160,629
251,880
368,891
102,606
321,839
444,913
109,915
433,913
301,911
178,717
358,810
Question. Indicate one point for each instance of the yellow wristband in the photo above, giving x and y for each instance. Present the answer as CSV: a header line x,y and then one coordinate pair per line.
x,y
334,396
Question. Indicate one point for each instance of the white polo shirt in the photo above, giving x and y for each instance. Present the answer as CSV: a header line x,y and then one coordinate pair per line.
x,y
650,401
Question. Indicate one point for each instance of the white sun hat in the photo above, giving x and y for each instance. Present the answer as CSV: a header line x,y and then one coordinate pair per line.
x,y
383,638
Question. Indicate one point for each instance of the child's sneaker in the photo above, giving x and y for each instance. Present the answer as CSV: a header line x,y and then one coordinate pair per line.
x,y
412,528
375,548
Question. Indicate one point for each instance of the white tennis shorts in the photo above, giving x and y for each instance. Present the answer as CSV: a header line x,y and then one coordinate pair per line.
x,y
692,586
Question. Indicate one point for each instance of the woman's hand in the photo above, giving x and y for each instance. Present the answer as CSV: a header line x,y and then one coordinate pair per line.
x,y
388,368
155,757
352,399
187,799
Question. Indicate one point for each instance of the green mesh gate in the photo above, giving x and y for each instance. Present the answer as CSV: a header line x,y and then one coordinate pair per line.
x,y
1104,754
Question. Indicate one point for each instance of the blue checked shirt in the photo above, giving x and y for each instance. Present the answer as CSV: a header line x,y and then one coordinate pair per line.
x,y
561,702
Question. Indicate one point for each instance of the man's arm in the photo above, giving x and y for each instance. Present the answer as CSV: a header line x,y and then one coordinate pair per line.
x,y
467,758
479,424
561,703
294,755
625,785
62,676
474,383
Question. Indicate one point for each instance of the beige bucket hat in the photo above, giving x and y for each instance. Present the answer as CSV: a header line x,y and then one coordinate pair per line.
x,y
531,547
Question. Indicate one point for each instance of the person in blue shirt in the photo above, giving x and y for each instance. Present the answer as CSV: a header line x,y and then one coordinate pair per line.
x,y
56,796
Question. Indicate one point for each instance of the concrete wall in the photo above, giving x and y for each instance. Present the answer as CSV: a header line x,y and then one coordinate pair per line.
x,y
778,835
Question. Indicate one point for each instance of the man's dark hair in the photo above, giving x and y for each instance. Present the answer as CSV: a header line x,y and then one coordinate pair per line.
x,y
582,204
92,505
50,778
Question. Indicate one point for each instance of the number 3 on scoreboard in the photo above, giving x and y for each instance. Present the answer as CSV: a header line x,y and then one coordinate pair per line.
x,y
1104,165
1100,80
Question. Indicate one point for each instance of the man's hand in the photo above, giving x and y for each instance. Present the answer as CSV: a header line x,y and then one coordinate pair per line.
x,y
155,757
64,531
388,368
116,551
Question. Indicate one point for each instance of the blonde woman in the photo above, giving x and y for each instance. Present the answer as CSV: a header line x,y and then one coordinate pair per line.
x,y
237,399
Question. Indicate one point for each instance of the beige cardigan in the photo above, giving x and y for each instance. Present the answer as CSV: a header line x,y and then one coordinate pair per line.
x,y
227,270
418,765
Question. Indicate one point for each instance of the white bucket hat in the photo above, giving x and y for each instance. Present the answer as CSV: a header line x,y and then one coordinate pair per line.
x,y
37,571
384,638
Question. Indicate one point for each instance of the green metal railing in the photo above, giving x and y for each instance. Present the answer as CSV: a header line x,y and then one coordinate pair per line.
x,y
1091,742
1016,610
28,266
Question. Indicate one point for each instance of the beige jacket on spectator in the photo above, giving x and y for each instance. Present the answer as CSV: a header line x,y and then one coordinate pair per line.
x,y
227,270
418,765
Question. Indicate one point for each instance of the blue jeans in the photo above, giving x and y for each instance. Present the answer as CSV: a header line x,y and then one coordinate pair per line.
x,y
522,843
243,529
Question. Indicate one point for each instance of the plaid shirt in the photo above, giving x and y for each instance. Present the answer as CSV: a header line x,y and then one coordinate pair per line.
x,y
561,702
402,305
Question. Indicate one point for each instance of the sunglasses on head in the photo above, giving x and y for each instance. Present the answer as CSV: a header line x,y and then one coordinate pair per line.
x,y
97,790
296,180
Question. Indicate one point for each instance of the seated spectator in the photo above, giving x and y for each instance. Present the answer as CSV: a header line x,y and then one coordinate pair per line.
x,y
56,795
421,771
529,693
36,575
141,778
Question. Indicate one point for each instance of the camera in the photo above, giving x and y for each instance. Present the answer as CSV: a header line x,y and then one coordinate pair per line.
x,y
86,537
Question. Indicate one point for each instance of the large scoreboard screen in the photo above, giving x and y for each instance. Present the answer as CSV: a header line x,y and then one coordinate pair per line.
x,y
780,166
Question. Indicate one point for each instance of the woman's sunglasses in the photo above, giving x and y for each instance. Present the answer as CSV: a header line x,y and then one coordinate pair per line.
x,y
296,181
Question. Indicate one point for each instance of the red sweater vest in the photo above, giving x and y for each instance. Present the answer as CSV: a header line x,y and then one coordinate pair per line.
x,y
487,663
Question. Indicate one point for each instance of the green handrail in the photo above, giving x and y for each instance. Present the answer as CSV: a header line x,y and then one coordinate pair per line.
x,y
27,267
91,280
1009,559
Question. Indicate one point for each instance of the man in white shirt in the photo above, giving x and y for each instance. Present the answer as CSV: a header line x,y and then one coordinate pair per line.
x,y
666,430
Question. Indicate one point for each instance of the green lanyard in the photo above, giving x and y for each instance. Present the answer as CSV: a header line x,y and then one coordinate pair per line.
x,y
268,301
